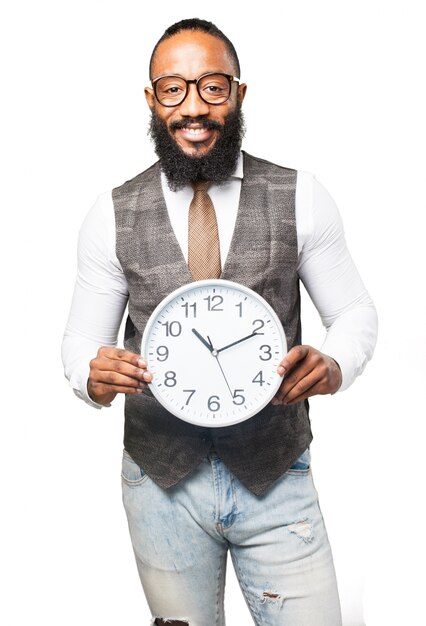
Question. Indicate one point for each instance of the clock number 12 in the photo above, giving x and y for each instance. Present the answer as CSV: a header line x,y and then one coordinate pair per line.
x,y
214,307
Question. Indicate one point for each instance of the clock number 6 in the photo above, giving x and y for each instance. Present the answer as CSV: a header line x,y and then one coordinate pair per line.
x,y
213,403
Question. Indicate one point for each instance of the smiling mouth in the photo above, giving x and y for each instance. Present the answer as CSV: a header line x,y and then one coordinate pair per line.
x,y
194,131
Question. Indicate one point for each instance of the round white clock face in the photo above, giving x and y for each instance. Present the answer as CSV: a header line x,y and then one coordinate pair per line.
x,y
213,347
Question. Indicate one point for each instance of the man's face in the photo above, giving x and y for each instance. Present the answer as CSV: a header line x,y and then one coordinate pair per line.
x,y
191,54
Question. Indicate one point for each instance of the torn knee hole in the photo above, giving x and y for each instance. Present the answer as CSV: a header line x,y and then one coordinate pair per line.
x,y
269,594
302,529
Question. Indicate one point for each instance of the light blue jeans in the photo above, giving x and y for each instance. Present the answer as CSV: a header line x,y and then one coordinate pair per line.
x,y
278,545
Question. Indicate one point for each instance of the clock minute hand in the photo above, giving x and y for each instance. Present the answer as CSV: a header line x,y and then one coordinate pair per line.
x,y
197,334
234,343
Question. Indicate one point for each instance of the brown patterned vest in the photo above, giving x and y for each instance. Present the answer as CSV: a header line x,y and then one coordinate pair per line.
x,y
262,256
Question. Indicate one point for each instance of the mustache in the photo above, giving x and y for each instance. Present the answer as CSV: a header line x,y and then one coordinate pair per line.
x,y
205,123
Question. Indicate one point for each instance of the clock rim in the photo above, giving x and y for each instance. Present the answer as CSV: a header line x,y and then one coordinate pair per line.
x,y
195,285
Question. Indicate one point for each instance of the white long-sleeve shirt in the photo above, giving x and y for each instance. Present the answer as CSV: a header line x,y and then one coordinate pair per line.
x,y
324,265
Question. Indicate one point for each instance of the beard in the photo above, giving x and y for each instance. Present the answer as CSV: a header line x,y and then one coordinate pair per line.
x,y
216,166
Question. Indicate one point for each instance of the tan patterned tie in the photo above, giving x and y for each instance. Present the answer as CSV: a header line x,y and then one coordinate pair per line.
x,y
203,235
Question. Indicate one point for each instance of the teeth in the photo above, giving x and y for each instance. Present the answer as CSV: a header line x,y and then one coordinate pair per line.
x,y
195,131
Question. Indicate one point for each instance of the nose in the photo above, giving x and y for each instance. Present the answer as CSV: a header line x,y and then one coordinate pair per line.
x,y
193,105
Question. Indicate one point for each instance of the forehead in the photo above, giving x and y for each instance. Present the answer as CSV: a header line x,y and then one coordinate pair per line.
x,y
190,54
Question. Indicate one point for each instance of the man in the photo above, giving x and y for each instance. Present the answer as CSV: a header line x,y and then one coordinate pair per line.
x,y
192,493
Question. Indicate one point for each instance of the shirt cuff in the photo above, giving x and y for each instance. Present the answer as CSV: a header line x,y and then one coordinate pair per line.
x,y
78,382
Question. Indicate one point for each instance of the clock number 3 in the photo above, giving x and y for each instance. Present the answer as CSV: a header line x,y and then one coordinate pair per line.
x,y
267,353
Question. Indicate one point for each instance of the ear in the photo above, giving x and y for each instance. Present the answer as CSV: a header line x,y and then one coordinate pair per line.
x,y
150,98
241,94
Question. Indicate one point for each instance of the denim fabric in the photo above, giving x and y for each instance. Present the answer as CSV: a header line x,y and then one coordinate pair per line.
x,y
277,542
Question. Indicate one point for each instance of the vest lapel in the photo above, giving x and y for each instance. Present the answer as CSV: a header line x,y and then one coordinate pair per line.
x,y
160,217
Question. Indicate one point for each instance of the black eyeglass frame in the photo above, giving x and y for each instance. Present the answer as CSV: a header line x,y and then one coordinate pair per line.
x,y
231,79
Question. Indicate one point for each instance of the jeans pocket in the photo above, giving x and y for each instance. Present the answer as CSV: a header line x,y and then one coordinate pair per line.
x,y
302,465
131,473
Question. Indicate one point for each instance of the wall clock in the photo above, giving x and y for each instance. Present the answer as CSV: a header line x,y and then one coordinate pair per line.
x,y
213,347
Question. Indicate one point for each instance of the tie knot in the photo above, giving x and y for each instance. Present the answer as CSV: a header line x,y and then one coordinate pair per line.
x,y
201,186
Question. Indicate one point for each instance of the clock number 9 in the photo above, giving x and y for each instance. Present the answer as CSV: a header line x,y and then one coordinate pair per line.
x,y
213,403
162,353
170,379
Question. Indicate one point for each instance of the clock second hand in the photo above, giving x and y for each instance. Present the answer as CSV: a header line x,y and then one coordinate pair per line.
x,y
215,354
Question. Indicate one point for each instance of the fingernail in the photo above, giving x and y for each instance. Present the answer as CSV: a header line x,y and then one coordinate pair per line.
x,y
281,370
141,363
147,376
139,390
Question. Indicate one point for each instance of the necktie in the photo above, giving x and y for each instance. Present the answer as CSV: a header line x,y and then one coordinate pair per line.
x,y
203,235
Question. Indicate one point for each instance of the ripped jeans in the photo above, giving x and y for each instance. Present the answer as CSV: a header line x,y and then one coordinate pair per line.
x,y
278,545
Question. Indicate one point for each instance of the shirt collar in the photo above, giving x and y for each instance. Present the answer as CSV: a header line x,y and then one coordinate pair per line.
x,y
239,173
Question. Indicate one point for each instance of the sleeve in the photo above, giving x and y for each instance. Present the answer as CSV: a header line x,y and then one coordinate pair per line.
x,y
99,299
332,281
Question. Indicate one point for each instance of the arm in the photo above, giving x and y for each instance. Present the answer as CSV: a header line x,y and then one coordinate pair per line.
x,y
91,361
335,287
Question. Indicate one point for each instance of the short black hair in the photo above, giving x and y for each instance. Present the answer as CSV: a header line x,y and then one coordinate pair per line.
x,y
201,25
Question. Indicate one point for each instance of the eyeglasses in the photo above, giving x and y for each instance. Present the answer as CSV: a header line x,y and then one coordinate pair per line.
x,y
213,88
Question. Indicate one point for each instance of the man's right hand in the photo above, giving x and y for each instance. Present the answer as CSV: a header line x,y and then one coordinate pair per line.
x,y
115,370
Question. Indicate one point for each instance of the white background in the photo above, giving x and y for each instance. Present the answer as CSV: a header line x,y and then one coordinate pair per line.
x,y
335,88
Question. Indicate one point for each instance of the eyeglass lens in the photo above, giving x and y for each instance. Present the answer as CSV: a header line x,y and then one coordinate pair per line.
x,y
214,89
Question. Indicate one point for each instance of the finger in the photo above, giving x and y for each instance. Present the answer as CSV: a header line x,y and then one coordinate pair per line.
x,y
303,389
294,356
122,367
316,389
304,385
115,379
305,368
100,389
120,354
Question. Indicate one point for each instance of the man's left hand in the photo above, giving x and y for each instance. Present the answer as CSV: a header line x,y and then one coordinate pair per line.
x,y
307,372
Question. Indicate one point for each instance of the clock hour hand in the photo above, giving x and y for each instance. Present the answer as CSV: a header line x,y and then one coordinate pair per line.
x,y
234,343
197,334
